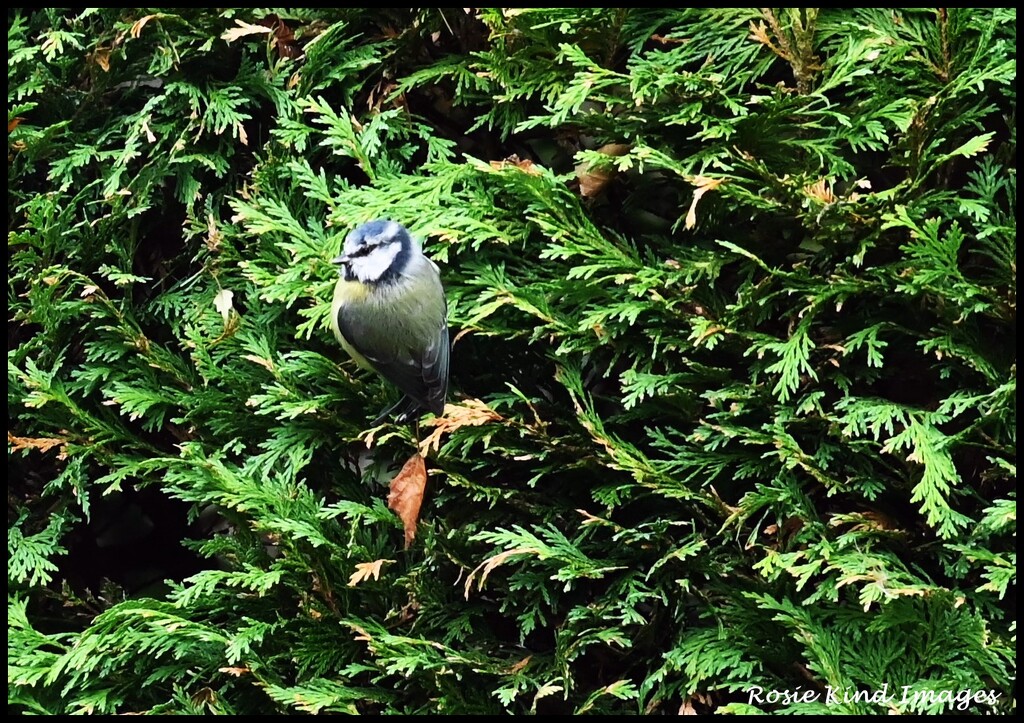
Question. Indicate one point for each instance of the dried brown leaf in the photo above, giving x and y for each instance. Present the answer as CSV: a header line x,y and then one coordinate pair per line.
x,y
213,235
589,519
820,191
244,29
150,136
703,184
514,161
666,40
238,672
520,665
471,413
43,444
487,566
139,24
222,302
733,511
790,527
708,332
204,696
366,570
265,363
615,149
101,56
406,494
759,33
593,178
284,38
867,521
687,707
464,332
361,634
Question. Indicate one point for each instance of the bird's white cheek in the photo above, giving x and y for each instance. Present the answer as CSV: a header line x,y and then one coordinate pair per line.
x,y
373,266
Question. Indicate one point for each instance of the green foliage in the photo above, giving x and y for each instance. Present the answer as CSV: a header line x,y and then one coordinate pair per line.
x,y
733,294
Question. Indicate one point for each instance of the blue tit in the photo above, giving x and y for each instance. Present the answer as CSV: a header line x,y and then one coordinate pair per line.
x,y
390,315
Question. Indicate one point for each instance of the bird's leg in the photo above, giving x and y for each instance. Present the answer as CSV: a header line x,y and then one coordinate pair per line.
x,y
405,408
412,411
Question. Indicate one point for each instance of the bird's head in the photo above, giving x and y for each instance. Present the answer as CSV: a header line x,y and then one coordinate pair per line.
x,y
374,253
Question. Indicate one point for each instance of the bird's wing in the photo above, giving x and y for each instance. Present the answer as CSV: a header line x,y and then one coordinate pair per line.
x,y
435,371
423,377
435,360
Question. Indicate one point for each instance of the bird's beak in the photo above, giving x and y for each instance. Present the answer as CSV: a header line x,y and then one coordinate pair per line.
x,y
341,260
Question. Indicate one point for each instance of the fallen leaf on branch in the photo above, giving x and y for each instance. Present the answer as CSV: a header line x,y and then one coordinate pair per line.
x,y
594,178
406,495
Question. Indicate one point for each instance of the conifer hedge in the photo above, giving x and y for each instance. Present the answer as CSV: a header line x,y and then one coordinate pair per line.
x,y
732,424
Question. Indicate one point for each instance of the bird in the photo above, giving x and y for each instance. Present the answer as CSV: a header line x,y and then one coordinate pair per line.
x,y
391,316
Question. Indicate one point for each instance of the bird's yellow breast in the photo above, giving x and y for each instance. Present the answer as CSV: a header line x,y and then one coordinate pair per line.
x,y
348,292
